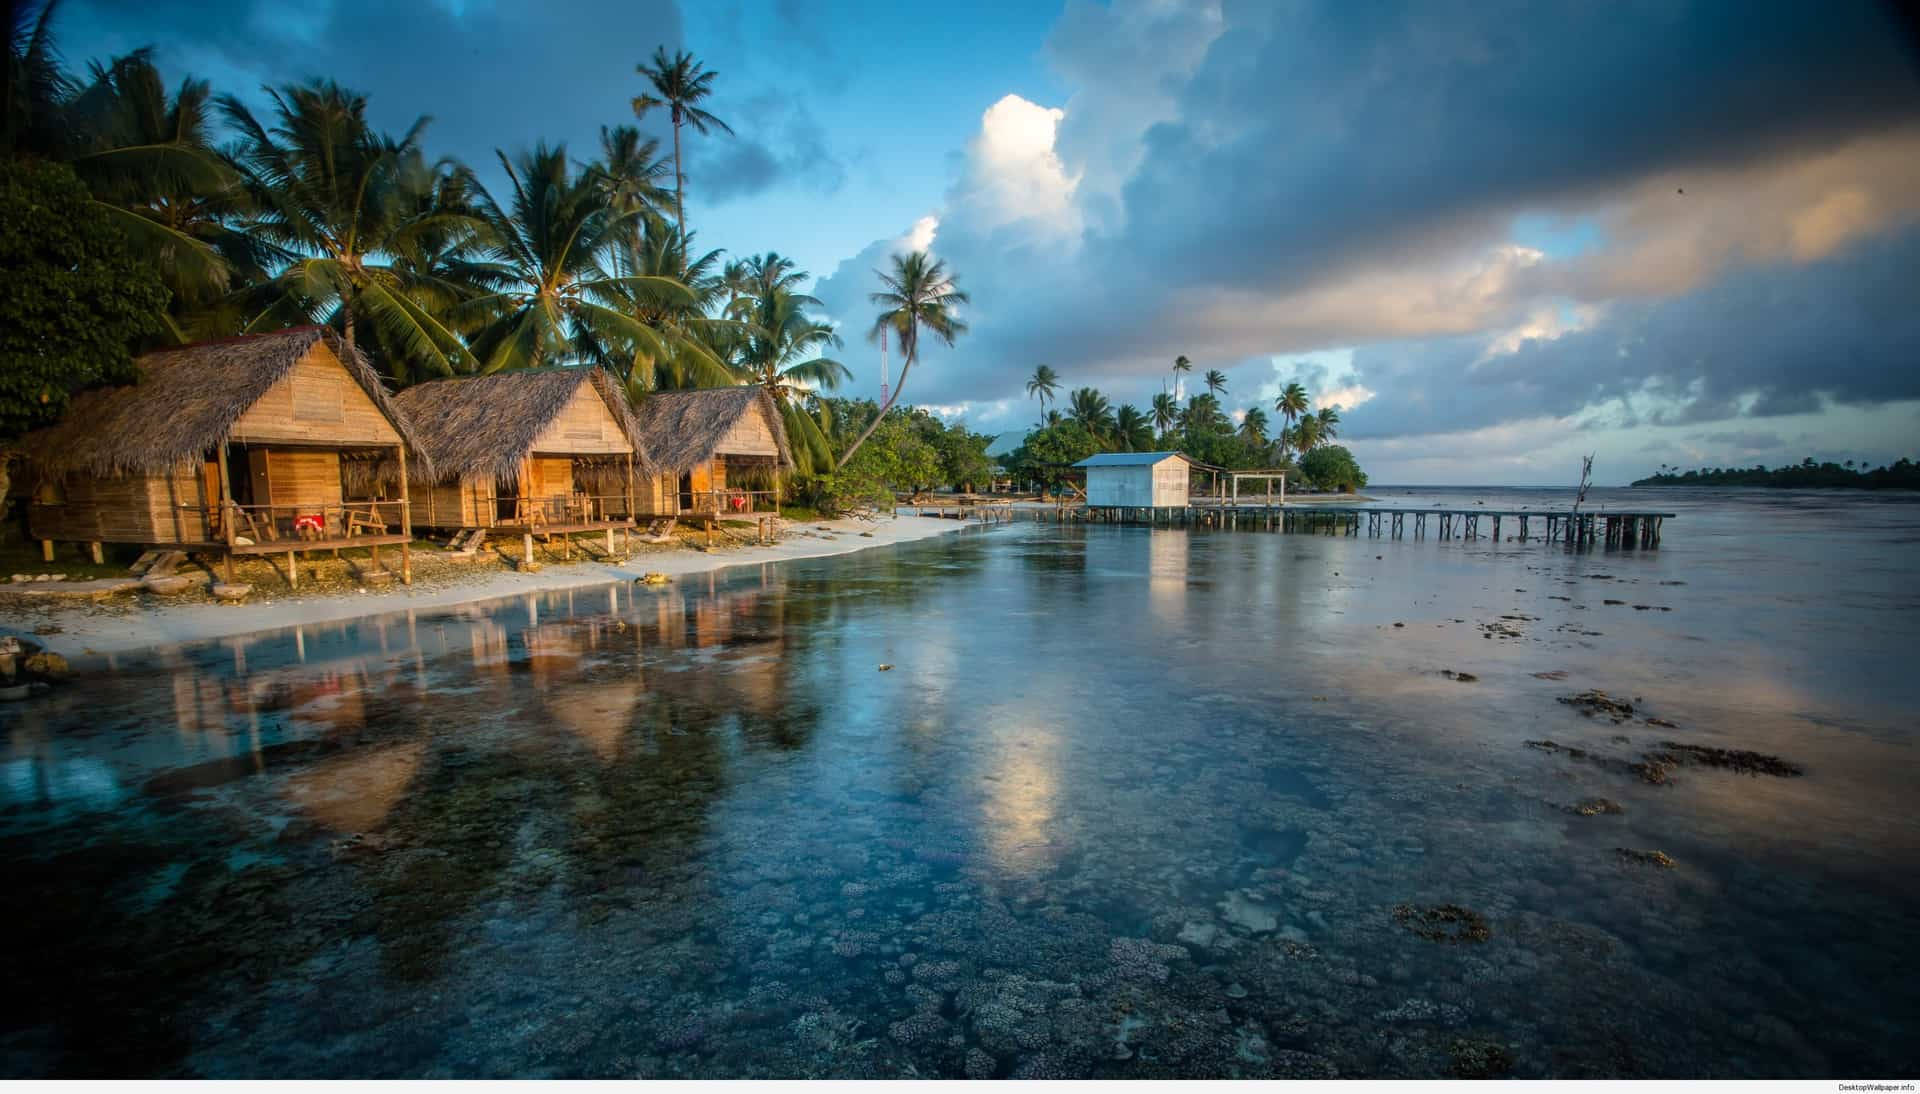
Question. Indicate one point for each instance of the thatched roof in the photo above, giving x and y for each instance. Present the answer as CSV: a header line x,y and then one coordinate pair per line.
x,y
486,425
681,429
187,401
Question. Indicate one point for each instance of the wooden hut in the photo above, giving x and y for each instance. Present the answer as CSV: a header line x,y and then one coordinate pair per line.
x,y
717,453
254,445
1137,480
545,452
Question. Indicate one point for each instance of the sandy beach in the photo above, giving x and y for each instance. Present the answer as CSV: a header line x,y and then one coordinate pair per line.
x,y
82,628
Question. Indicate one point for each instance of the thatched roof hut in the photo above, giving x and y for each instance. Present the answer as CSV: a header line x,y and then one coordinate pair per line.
x,y
189,400
555,446
488,425
250,445
684,429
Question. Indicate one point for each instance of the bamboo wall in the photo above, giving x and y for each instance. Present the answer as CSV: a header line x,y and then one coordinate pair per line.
x,y
121,509
585,426
751,435
469,503
317,403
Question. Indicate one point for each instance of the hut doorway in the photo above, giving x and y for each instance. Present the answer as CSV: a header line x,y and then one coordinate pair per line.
x,y
686,491
506,501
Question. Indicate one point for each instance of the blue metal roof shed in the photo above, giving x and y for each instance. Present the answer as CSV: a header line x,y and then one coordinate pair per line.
x,y
1137,479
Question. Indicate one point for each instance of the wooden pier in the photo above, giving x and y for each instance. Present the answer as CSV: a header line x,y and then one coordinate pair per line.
x,y
959,507
1611,528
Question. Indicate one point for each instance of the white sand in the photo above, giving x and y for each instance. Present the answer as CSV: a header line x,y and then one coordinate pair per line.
x,y
85,629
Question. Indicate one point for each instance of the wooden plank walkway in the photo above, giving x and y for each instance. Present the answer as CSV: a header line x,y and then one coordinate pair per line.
x,y
1612,527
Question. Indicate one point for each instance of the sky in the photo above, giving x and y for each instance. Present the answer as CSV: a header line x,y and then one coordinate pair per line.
x,y
1496,235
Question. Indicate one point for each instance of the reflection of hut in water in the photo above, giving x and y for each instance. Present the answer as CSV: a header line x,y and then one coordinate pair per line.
x,y
247,446
542,451
355,792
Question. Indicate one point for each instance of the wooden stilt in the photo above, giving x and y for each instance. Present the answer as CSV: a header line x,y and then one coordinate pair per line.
x,y
46,550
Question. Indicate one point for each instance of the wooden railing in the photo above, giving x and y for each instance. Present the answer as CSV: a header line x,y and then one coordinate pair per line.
x,y
570,509
733,502
292,524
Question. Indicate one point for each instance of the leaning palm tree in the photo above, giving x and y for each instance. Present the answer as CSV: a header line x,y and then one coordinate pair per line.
x,y
679,84
1253,427
1166,412
340,199
1131,429
919,295
1092,410
1042,385
1180,366
1216,381
557,302
1329,423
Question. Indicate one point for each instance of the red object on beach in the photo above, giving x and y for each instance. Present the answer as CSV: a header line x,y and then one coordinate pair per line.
x,y
310,522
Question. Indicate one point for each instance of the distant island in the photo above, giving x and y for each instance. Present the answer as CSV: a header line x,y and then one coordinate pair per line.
x,y
1902,474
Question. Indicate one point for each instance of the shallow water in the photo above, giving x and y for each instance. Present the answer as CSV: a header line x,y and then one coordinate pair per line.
x,y
1130,802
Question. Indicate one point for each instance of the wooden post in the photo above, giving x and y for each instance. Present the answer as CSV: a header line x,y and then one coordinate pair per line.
x,y
526,559
226,507
293,569
406,518
46,550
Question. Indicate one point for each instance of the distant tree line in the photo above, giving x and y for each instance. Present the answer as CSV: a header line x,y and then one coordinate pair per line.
x,y
1199,427
1902,474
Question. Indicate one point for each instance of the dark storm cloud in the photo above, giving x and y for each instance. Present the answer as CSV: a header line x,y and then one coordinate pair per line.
x,y
1332,131
1761,343
504,74
1315,147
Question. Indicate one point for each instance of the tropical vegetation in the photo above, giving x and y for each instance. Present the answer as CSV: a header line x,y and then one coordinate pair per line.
x,y
141,212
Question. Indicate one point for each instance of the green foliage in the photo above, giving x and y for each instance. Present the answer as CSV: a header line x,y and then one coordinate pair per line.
x,y
1047,454
74,298
1331,467
895,457
1902,474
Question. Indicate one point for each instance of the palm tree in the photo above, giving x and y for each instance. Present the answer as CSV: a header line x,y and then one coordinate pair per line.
x,y
1202,414
1042,385
1307,435
1329,420
1180,365
558,303
340,199
1253,427
1292,403
629,171
697,344
782,353
919,295
1216,381
1131,429
1092,410
35,91
1166,411
679,84
149,159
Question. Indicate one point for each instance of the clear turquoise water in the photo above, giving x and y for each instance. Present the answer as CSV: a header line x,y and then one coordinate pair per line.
x,y
1130,802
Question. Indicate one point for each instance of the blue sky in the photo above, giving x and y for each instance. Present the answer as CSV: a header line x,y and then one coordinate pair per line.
x,y
1496,235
